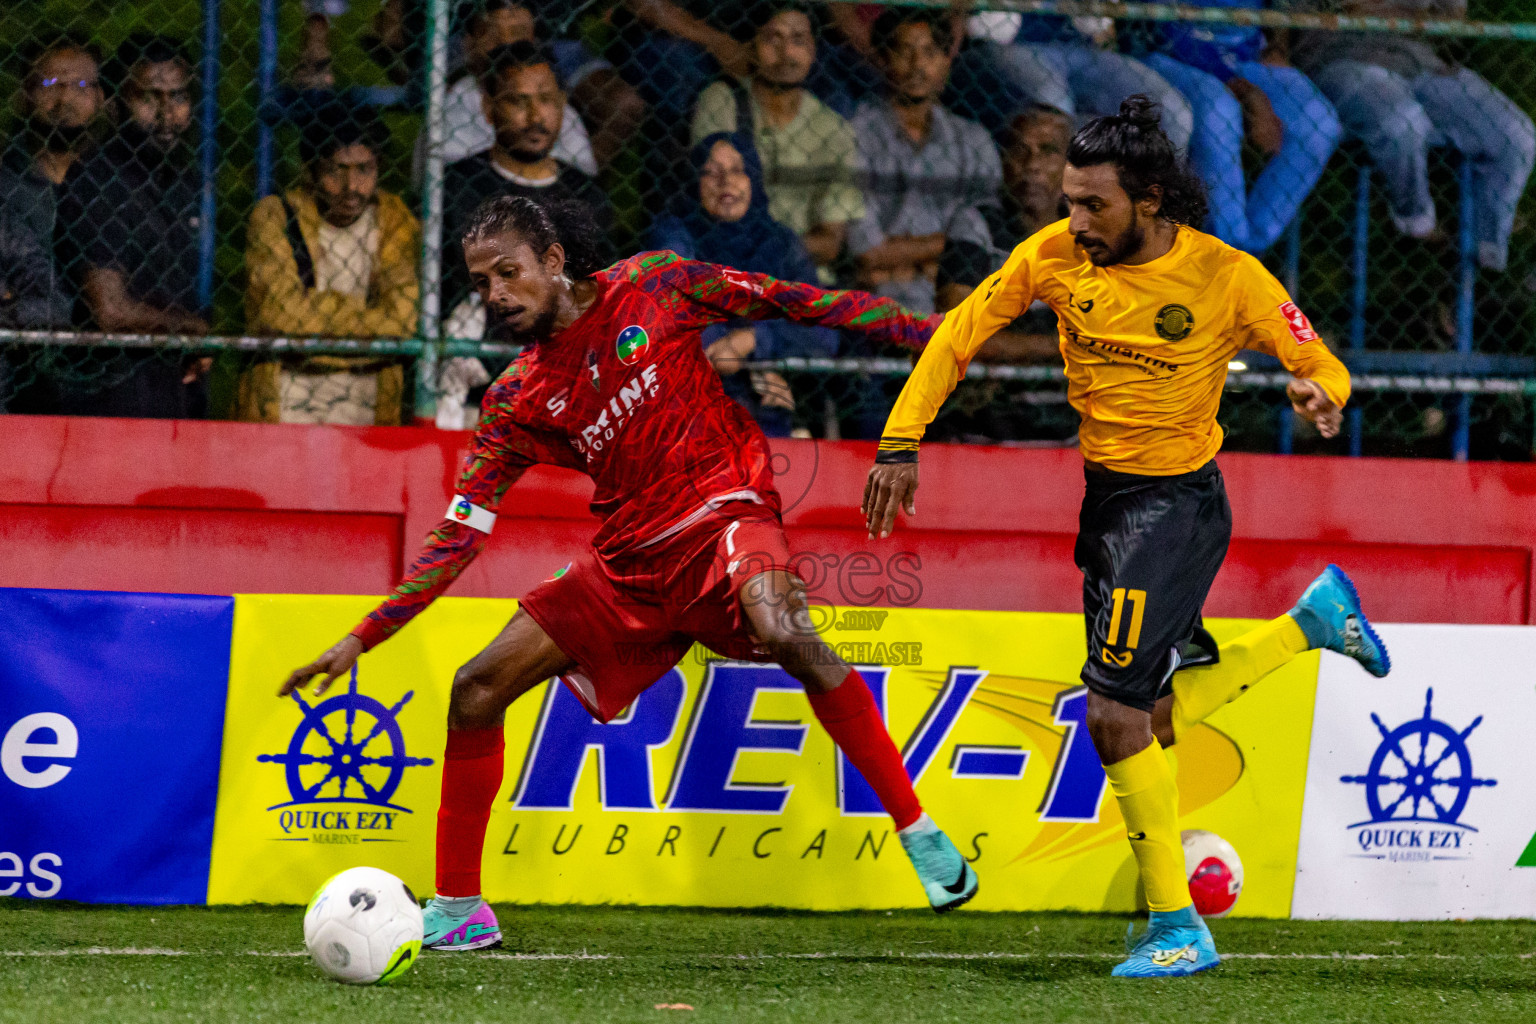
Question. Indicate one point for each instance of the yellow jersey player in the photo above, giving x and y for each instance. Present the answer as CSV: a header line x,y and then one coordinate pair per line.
x,y
1150,311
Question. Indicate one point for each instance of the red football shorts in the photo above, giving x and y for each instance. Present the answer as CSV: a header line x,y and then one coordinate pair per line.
x,y
625,622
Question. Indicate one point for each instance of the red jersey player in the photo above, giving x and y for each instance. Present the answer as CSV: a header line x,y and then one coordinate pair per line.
x,y
614,383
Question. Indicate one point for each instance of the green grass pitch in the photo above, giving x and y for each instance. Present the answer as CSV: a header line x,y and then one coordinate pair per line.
x,y
69,963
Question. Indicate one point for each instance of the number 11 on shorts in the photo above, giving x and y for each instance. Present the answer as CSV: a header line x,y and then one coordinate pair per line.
x,y
1138,602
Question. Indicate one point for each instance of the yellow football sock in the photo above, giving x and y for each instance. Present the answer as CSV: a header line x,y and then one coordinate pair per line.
x,y
1197,692
1149,802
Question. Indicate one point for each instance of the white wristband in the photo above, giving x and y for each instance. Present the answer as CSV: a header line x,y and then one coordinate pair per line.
x,y
461,510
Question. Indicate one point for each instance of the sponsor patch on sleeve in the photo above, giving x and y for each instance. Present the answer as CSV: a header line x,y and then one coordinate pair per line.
x,y
1296,320
462,510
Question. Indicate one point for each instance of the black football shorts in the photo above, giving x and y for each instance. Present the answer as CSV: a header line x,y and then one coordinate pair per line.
x,y
1149,548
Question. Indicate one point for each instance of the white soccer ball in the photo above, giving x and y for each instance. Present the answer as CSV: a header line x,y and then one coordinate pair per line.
x,y
363,927
1215,872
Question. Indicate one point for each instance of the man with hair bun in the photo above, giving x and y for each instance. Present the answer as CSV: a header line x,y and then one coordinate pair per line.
x,y
614,383
1149,313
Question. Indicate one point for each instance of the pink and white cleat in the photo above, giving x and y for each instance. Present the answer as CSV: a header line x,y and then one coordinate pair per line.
x,y
454,928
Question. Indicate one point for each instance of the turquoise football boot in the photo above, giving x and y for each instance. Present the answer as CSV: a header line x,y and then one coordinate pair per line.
x,y
454,929
1176,944
947,878
1330,616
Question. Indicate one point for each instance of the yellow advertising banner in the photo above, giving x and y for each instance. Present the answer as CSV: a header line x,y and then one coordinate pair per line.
x,y
717,787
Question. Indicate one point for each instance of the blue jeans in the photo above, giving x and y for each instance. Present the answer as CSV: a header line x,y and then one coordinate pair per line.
x,y
1254,219
1076,79
1399,118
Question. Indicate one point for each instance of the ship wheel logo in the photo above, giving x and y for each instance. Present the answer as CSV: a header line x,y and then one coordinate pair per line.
x,y
349,749
1421,771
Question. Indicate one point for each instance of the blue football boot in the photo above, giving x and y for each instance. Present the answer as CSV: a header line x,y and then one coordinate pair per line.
x,y
1176,943
1330,616
947,878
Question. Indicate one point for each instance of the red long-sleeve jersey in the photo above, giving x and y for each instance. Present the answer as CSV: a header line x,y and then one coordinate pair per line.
x,y
626,395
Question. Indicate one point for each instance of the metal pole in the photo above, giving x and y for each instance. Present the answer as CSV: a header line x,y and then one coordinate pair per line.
x,y
208,147
266,83
1356,422
432,213
1467,280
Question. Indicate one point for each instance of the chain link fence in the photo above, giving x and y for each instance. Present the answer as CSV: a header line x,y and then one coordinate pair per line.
x,y
249,208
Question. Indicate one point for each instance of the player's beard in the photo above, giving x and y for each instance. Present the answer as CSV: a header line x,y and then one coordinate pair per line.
x,y
1129,241
542,327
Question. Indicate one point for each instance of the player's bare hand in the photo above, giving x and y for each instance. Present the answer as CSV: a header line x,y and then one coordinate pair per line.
x,y
332,663
889,486
1310,401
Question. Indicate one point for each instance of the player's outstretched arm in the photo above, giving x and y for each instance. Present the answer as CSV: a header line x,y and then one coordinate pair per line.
x,y
499,454
449,550
334,662
890,485
717,293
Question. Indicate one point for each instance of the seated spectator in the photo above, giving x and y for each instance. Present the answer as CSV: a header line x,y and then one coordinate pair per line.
x,y
60,100
129,221
1219,70
724,218
1034,150
466,130
1034,156
810,161
608,105
1396,95
29,296
335,257
1067,64
524,103
930,173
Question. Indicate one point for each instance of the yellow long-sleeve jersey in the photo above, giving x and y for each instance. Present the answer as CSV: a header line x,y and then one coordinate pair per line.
x,y
1146,346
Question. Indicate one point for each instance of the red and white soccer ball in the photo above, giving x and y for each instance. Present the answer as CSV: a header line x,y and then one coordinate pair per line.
x,y
1215,872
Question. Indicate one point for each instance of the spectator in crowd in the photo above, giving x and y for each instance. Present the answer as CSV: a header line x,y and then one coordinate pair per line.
x,y
129,223
724,217
1067,64
335,257
930,173
1398,96
810,160
608,105
60,100
1034,157
1219,70
466,130
1034,150
29,296
525,104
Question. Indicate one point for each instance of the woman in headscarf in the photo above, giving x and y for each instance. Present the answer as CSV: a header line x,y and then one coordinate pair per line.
x,y
722,217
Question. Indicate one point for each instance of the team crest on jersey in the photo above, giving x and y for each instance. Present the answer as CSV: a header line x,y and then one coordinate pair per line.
x,y
1174,322
632,343
1296,320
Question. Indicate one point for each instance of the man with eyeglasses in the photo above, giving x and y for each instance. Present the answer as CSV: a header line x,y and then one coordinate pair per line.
x,y
60,100
130,219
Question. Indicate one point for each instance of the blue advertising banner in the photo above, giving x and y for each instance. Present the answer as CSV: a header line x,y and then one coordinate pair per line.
x,y
111,715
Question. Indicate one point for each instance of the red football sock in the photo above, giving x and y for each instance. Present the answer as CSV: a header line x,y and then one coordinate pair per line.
x,y
471,777
850,717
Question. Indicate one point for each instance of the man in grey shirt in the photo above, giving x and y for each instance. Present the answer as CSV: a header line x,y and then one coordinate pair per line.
x,y
929,173
1397,96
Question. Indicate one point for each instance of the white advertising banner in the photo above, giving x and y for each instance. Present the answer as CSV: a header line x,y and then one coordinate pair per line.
x,y
1421,787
